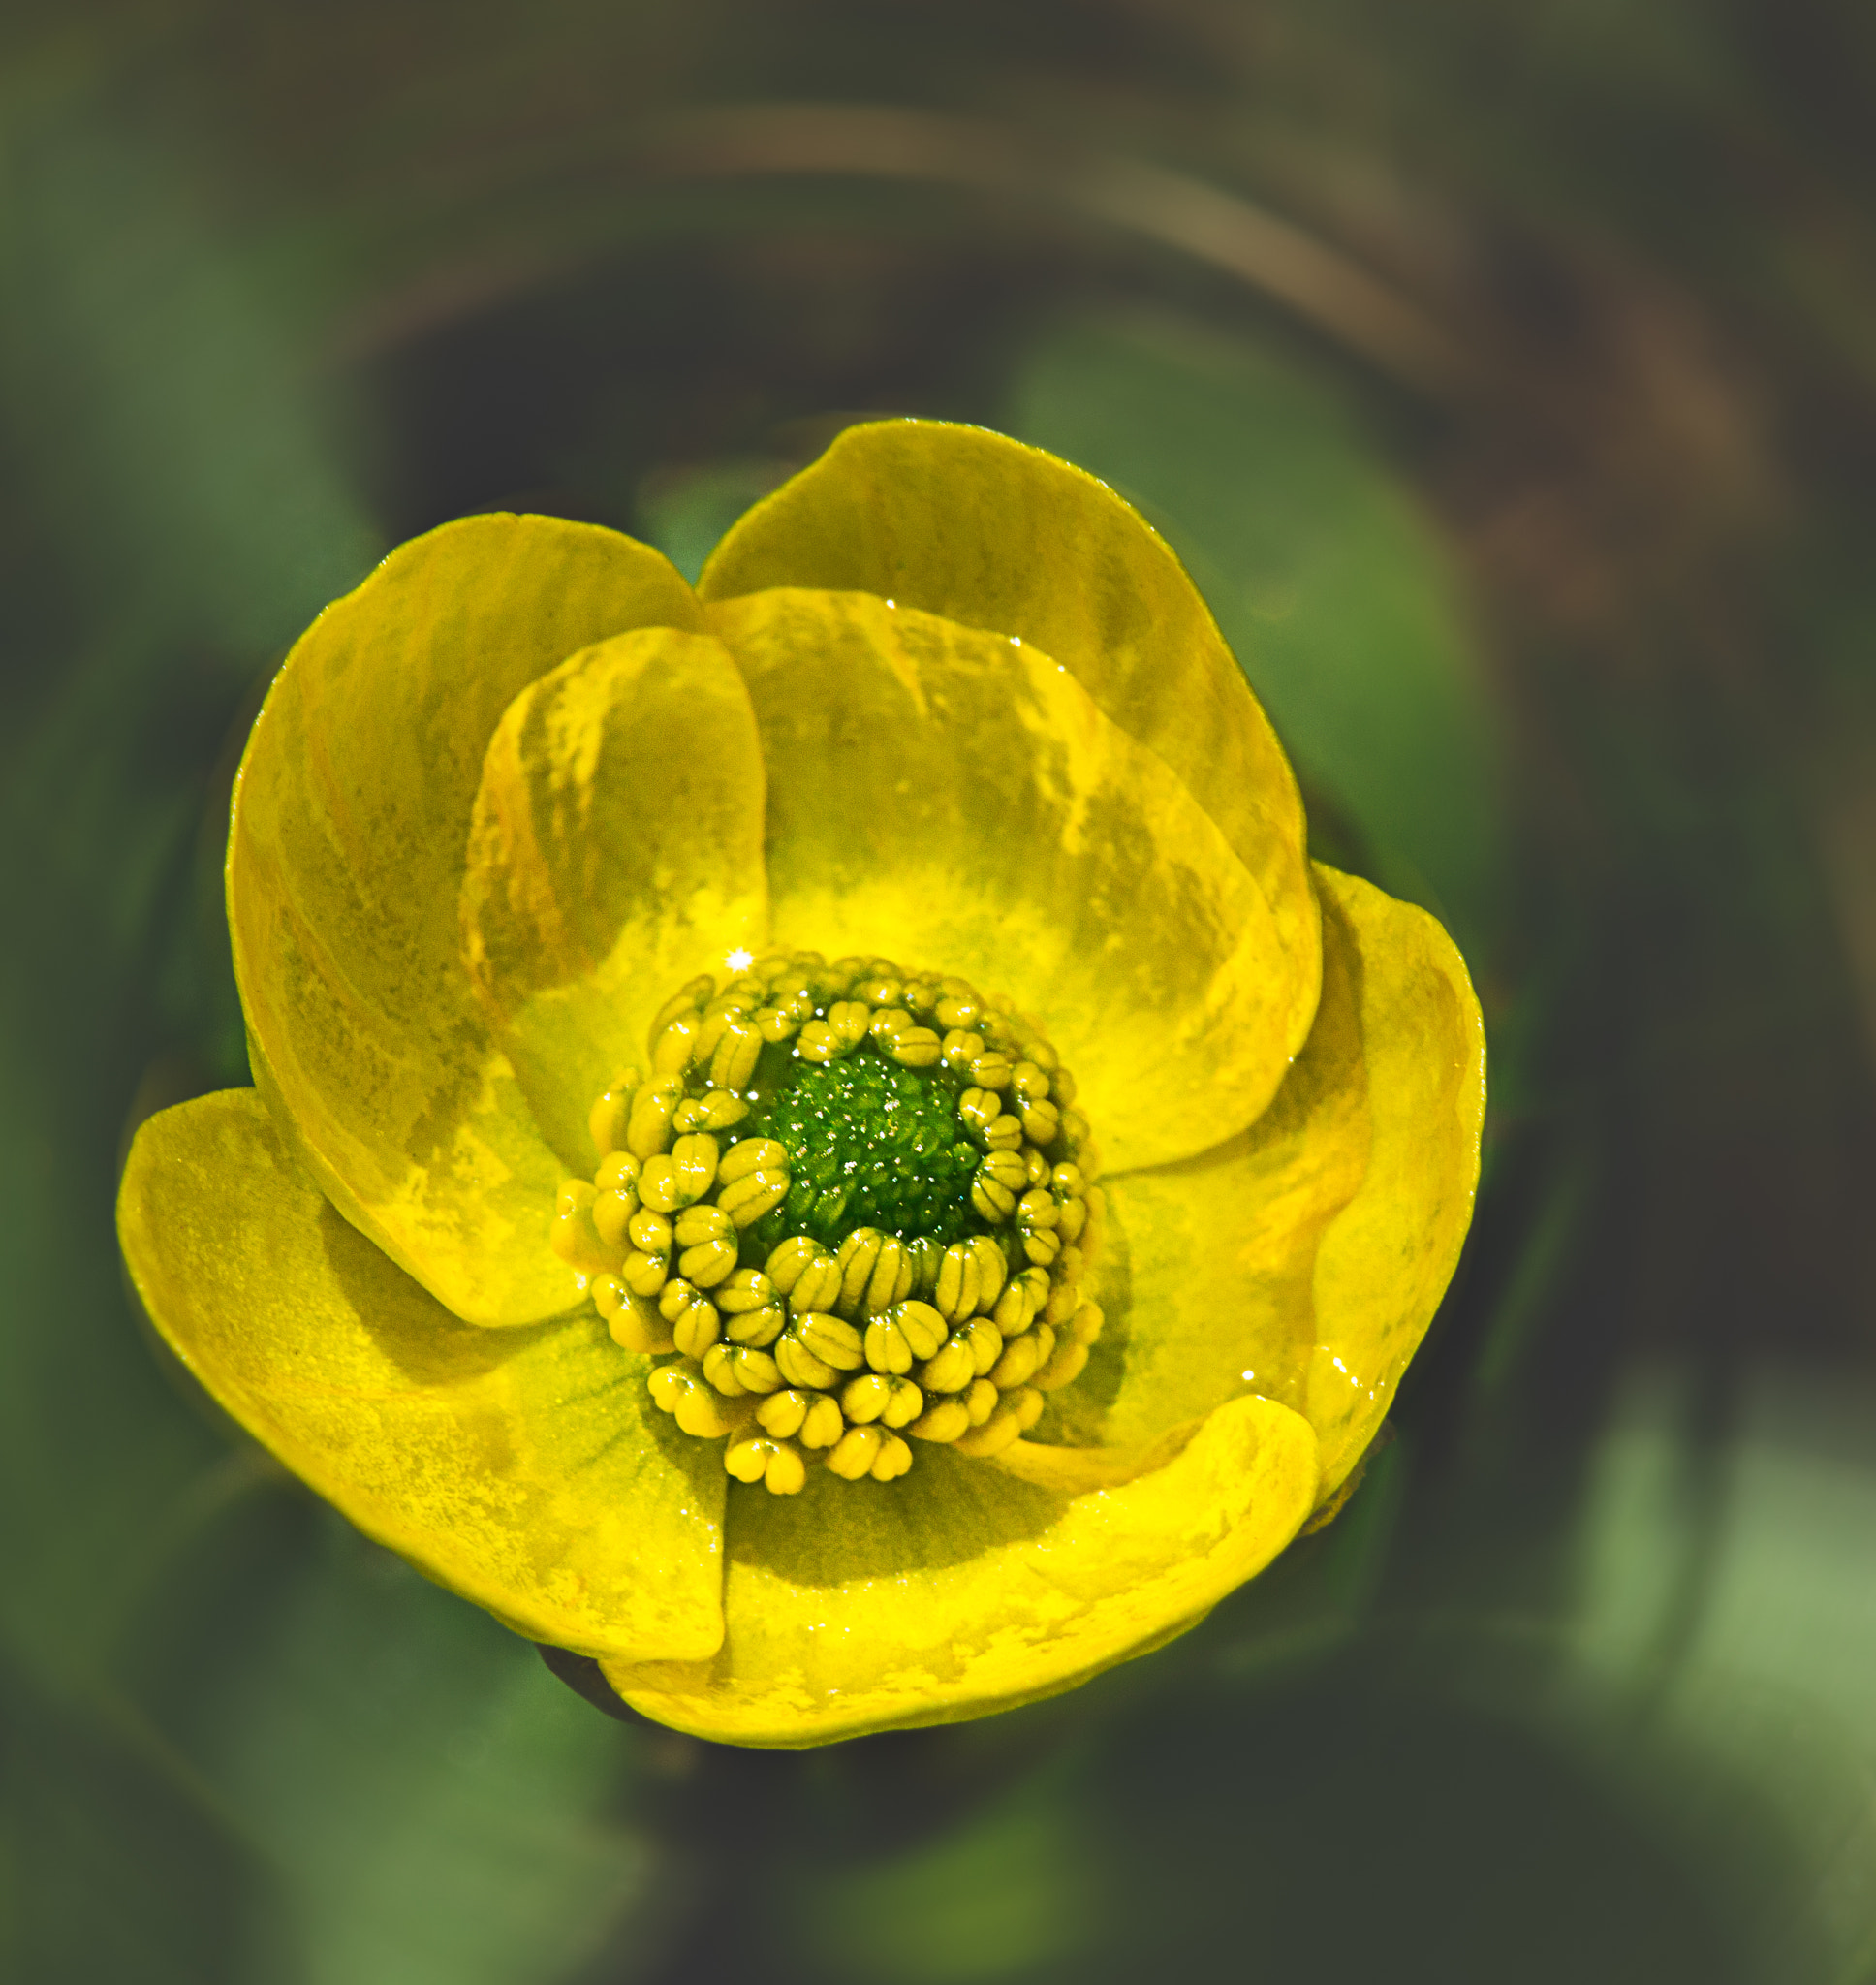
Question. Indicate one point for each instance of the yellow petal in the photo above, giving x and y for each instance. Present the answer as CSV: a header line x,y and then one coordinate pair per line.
x,y
527,1470
345,864
993,534
955,801
962,1589
616,850
1303,1259
1387,1258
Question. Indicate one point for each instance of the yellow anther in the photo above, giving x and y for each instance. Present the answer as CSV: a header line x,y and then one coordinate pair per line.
x,y
772,1463
574,1238
923,1329
1005,1135
823,1424
1003,1429
1065,1087
697,1224
991,1071
738,1368
833,1341
952,1369
787,1261
747,1288
751,1155
991,1268
611,1212
648,1130
1042,1246
1042,1122
696,1409
956,1291
782,1413
658,1184
675,1297
697,1327
1005,1167
777,1026
887,1024
644,1273
981,1401
853,1455
752,1196
818,1041
959,1047
859,1256
818,1286
977,1110
1030,1082
880,991
609,1295
744,987
1015,1311
688,998
716,1111
1021,1358
618,1171
887,1348
800,1366
916,1047
1066,1182
760,1327
1062,1300
1029,1405
735,1057
891,1281
1063,1368
1036,1208
924,1254
894,1401
576,1195
1086,1323
1075,1219
894,1460
695,1157
960,1012
922,995
676,1040
993,1202
707,1263
636,1326
651,1232
1068,1265
943,1421
1035,1167
850,1018
1042,1055
984,1339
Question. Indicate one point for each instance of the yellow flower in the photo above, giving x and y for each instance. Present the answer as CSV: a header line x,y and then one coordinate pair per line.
x,y
941,699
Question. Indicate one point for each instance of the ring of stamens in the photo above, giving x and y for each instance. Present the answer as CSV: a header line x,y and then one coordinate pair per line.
x,y
848,1204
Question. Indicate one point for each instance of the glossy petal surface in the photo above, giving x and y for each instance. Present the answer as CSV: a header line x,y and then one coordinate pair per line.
x,y
527,1470
973,1590
957,800
615,850
992,534
1304,1258
345,865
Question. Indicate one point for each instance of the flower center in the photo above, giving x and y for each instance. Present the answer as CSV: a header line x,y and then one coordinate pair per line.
x,y
856,1203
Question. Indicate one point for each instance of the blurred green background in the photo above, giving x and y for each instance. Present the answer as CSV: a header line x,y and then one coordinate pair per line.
x,y
1507,378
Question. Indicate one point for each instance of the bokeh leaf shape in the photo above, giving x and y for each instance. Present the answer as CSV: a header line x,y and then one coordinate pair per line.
x,y
473,805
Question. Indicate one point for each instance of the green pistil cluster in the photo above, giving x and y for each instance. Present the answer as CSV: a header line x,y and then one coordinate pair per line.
x,y
855,1203
869,1144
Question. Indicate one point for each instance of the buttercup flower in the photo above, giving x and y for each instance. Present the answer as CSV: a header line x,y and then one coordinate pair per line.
x,y
818,1140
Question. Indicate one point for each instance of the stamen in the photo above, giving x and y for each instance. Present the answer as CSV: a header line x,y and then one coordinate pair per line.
x,y
850,1203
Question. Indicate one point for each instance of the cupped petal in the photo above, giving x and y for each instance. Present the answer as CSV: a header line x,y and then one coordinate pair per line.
x,y
962,1588
957,800
1303,1259
526,1469
615,851
1387,1258
345,859
993,534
